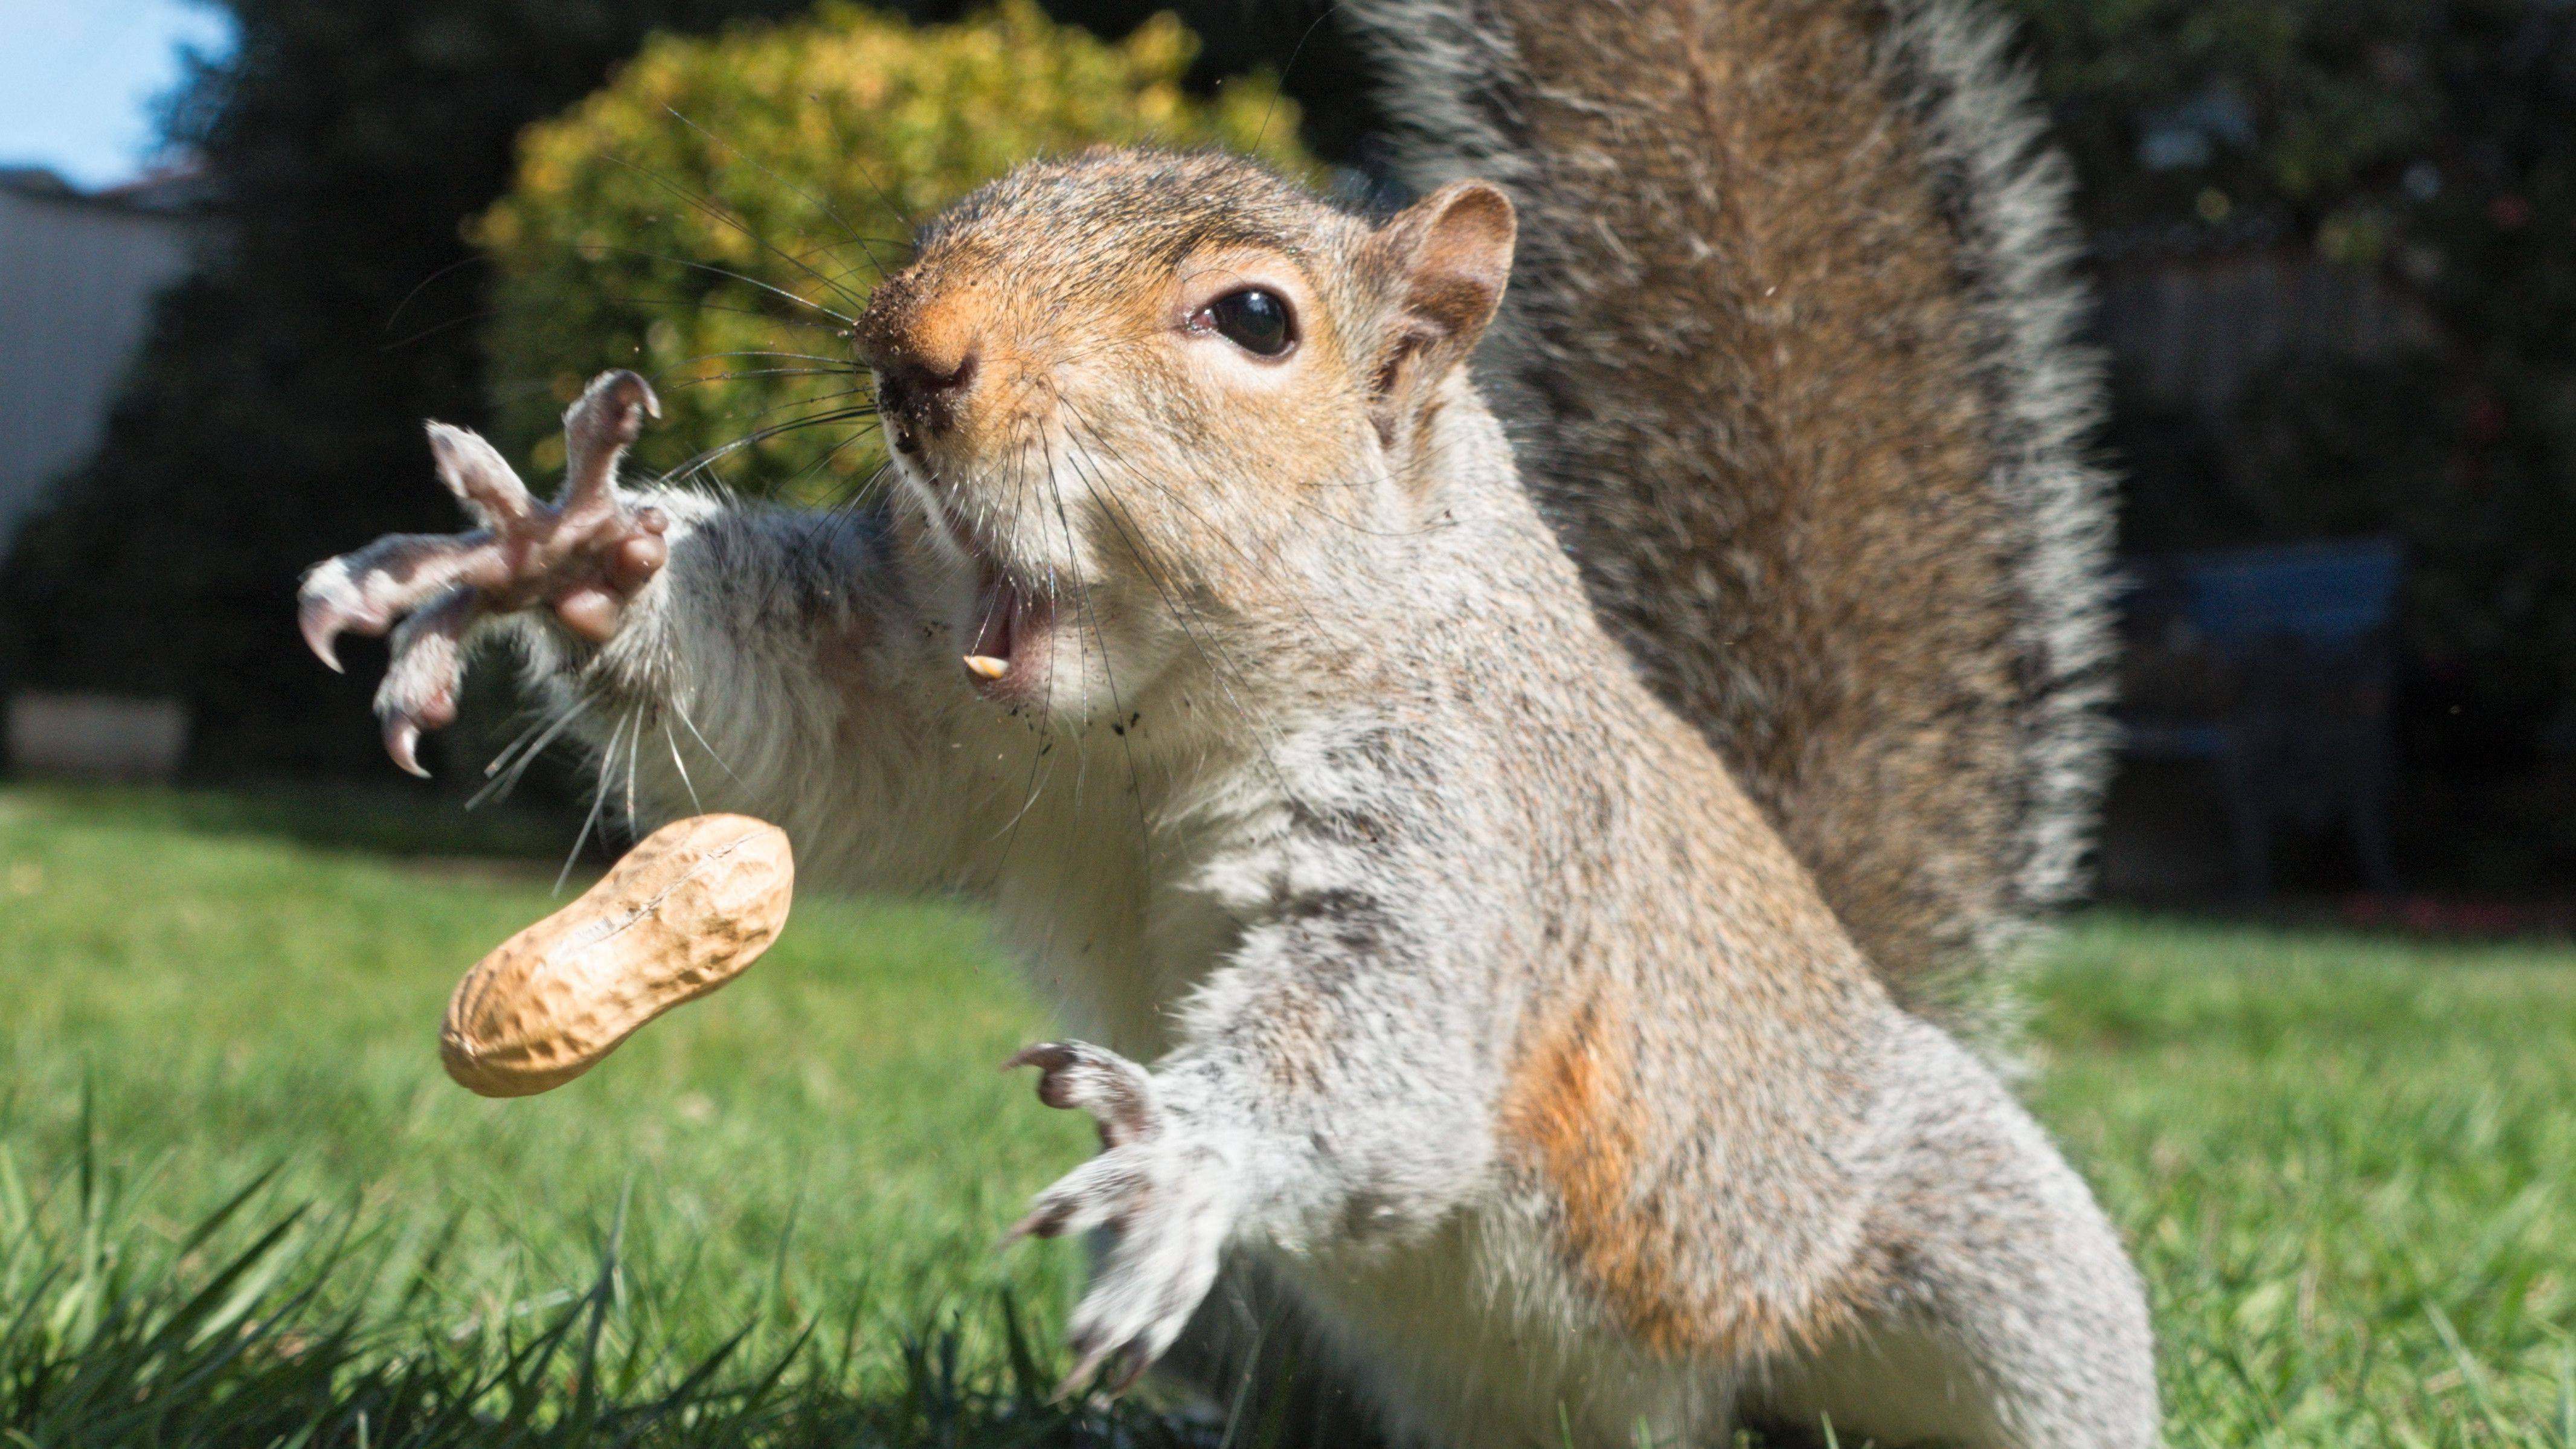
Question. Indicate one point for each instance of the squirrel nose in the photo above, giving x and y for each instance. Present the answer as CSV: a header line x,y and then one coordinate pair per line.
x,y
920,397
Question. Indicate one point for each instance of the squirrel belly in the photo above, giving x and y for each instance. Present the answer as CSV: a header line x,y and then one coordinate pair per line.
x,y
1501,881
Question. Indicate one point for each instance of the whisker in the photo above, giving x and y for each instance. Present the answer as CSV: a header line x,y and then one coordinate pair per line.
x,y
1108,675
713,377
696,806
598,802
854,154
423,284
844,363
501,779
701,304
1124,524
763,435
634,756
815,400
747,280
691,725
486,315
1263,134
710,208
866,489
1043,756
808,198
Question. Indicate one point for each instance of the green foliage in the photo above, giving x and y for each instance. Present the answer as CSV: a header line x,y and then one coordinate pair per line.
x,y
712,216
2341,1162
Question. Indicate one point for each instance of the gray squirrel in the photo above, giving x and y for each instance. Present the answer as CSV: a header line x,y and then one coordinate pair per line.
x,y
1508,847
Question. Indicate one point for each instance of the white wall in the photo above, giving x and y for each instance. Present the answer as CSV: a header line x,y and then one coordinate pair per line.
x,y
77,277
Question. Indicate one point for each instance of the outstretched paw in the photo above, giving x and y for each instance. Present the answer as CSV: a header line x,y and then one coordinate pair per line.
x,y
1166,1194
584,556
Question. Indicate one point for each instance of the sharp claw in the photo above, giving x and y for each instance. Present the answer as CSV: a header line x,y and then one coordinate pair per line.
x,y
1048,1054
1035,1225
628,389
402,741
628,398
597,428
1083,1369
321,626
478,475
322,605
1131,1367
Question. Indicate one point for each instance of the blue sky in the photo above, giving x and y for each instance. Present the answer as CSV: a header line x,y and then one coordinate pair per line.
x,y
78,79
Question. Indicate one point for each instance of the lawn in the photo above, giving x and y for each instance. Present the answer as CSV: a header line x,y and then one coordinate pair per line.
x,y
2347,1165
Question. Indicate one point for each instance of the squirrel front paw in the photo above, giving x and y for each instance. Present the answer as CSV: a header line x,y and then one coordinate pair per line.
x,y
1164,1191
585,555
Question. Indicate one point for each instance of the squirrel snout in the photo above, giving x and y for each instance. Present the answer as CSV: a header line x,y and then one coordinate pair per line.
x,y
925,344
920,397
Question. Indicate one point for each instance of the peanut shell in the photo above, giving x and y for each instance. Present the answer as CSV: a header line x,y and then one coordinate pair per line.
x,y
686,910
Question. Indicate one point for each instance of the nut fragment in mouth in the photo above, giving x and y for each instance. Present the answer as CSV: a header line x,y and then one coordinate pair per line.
x,y
686,910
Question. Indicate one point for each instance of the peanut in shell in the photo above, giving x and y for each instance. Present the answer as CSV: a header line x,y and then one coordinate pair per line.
x,y
682,914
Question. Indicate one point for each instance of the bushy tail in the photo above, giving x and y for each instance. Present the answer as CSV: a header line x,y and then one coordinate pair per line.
x,y
1789,355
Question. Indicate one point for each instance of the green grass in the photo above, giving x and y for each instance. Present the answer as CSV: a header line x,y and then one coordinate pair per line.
x,y
2348,1166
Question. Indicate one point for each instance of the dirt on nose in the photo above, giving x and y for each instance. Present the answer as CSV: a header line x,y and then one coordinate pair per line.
x,y
925,342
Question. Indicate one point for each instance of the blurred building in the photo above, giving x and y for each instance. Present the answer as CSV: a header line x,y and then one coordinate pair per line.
x,y
78,271
2196,319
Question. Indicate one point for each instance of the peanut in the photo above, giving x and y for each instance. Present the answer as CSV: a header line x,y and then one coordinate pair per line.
x,y
686,910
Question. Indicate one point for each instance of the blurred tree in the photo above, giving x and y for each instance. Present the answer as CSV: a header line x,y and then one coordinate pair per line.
x,y
714,215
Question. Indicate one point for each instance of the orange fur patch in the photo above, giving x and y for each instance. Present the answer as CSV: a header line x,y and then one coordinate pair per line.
x,y
1572,1108
1567,1104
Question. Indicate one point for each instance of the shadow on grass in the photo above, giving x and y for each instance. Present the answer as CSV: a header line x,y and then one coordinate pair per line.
x,y
386,819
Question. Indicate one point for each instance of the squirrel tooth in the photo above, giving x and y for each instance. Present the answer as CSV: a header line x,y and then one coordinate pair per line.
x,y
985,666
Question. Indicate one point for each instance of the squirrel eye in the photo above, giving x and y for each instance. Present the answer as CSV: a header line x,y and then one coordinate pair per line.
x,y
1252,319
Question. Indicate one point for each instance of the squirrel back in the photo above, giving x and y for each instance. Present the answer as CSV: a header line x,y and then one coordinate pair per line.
x,y
1789,358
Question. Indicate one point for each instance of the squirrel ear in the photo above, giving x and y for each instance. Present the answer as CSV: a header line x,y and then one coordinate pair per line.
x,y
1446,259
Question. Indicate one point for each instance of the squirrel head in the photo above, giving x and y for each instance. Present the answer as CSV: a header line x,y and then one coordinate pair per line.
x,y
1130,395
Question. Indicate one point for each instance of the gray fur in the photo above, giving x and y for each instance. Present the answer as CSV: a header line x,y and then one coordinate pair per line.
x,y
2012,194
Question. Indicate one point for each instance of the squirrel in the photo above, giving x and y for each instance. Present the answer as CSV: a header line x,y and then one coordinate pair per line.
x,y
1495,831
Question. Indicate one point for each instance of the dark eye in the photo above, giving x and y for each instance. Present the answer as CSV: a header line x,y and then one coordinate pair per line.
x,y
1252,319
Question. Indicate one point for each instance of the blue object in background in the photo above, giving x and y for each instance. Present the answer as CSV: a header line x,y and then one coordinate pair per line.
x,y
2275,665
2327,595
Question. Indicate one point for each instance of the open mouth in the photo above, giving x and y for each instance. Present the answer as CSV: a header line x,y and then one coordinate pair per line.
x,y
1008,628
1009,617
